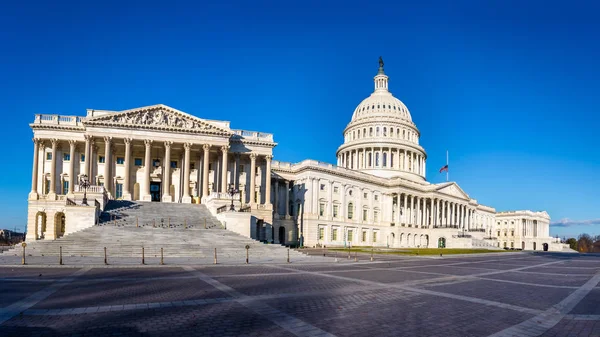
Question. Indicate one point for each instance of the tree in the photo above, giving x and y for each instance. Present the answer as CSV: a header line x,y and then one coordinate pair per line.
x,y
585,243
572,243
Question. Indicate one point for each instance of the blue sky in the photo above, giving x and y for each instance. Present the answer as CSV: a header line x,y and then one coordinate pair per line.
x,y
510,88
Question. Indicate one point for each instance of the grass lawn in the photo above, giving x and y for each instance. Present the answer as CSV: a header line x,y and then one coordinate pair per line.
x,y
421,251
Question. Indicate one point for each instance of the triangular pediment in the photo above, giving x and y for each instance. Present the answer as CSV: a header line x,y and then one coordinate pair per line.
x,y
157,117
453,190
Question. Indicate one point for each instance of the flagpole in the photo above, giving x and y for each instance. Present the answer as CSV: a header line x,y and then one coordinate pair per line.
x,y
447,168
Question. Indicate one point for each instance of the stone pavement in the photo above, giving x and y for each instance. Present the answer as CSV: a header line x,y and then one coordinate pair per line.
x,y
480,295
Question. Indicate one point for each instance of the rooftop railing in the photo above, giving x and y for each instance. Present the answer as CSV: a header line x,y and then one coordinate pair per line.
x,y
254,135
57,120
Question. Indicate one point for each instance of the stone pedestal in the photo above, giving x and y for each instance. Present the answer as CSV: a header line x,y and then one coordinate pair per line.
x,y
167,198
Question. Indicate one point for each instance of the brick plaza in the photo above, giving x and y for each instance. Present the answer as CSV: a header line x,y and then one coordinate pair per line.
x,y
518,294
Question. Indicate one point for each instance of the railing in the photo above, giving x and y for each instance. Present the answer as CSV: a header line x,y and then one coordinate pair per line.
x,y
71,202
245,209
57,120
254,135
462,236
222,209
91,189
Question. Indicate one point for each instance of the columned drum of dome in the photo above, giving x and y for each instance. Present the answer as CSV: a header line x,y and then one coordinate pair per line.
x,y
381,138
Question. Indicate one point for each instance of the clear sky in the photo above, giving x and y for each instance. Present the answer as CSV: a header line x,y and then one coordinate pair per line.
x,y
510,88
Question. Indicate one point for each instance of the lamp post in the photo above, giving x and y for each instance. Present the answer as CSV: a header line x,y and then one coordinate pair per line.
x,y
84,183
232,191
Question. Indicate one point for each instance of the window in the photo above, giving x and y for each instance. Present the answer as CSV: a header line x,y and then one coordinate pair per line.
x,y
376,197
138,161
101,159
374,236
350,210
377,132
371,132
48,155
334,234
242,168
173,164
47,186
120,160
384,131
512,233
358,133
498,233
336,189
322,209
385,160
365,215
322,187
350,235
335,211
350,192
82,158
377,159
65,187
364,236
119,191
365,195
375,216
321,233
512,245
392,160
66,156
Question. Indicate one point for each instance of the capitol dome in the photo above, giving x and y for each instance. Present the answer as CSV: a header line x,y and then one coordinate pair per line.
x,y
381,138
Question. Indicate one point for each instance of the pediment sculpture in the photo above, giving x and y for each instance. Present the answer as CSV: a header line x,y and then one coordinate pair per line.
x,y
158,117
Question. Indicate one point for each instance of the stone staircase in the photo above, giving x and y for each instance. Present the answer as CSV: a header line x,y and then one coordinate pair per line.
x,y
179,229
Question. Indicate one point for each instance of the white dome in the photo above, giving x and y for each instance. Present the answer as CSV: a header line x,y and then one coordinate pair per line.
x,y
381,104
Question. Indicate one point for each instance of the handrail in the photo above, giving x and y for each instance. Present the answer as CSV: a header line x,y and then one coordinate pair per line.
x,y
222,209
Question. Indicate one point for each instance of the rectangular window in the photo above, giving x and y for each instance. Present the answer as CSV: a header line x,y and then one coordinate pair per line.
x,y
120,160
65,187
242,168
321,209
374,236
364,236
47,186
101,159
376,197
336,189
334,234
350,235
138,161
192,166
322,187
119,192
375,216
66,156
48,155
82,158
335,211
350,211
210,166
364,215
321,233
173,164
365,195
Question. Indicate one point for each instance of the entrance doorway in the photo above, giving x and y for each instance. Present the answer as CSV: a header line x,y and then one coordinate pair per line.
x,y
155,191
282,235
545,245
442,243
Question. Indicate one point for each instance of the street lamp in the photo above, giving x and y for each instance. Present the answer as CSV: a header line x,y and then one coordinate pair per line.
x,y
84,183
232,191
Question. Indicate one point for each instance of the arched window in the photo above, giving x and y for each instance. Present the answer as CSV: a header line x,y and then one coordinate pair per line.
x,y
397,133
359,134
370,132
370,160
377,159
384,159
364,132
377,132
403,134
350,210
353,135
392,160
384,131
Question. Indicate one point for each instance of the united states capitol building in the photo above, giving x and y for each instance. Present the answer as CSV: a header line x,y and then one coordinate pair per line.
x,y
376,194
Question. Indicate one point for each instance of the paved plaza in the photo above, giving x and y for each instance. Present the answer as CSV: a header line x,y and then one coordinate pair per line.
x,y
503,294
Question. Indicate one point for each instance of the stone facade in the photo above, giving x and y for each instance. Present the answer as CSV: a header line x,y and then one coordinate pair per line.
x,y
376,195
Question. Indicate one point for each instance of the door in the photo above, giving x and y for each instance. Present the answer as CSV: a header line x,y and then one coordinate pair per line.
x,y
155,191
282,235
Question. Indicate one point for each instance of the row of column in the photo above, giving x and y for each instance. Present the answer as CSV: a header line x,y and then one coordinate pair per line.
x,y
109,150
530,228
426,212
371,158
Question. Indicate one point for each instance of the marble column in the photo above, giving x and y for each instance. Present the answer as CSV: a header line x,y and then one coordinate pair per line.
x,y
33,195
205,160
268,180
276,198
127,177
107,164
451,214
252,191
186,199
72,175
52,190
236,177
93,161
147,168
224,187
87,156
405,207
166,197
286,190
413,211
398,208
